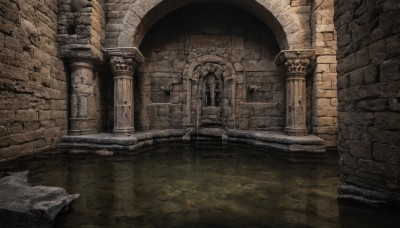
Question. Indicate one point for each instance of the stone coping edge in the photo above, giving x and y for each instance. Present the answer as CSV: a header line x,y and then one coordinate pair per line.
x,y
265,139
373,198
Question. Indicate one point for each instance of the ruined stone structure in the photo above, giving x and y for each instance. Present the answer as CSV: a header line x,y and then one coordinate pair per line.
x,y
133,66
121,74
369,91
182,65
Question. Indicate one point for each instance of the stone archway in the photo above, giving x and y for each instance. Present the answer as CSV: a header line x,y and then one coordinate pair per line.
x,y
143,14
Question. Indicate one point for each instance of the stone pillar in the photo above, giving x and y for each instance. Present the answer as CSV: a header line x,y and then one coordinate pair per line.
x,y
296,64
82,88
123,62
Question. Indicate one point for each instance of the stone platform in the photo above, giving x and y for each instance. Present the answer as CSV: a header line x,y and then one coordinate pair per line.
x,y
275,141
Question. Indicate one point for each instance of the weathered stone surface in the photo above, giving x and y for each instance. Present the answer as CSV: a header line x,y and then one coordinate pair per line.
x,y
22,205
368,70
265,139
32,77
235,43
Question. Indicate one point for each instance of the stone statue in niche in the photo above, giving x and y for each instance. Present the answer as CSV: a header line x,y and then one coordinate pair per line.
x,y
212,93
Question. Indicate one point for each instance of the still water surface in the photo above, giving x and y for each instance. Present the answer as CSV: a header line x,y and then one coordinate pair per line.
x,y
198,185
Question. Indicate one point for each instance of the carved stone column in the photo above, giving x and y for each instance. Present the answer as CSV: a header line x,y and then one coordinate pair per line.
x,y
123,62
296,64
82,88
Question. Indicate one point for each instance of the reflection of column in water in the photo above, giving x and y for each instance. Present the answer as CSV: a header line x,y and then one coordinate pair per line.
x,y
124,192
82,181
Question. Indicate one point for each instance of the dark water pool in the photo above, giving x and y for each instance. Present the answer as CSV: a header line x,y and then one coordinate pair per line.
x,y
198,185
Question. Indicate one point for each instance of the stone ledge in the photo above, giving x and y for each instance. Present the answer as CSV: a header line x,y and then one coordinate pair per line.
x,y
375,198
276,141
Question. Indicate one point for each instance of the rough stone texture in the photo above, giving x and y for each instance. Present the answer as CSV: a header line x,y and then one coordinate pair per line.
x,y
81,37
323,119
272,141
247,35
240,43
22,205
33,82
81,29
369,91
129,20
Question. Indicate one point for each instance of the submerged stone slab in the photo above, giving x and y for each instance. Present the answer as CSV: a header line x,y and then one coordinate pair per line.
x,y
277,141
22,205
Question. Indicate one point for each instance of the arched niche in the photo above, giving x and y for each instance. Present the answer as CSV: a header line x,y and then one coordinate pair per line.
x,y
210,69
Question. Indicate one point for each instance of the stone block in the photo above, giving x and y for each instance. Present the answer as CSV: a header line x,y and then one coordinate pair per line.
x,y
321,68
326,59
377,52
375,105
31,126
17,128
162,110
163,66
325,121
362,57
387,121
394,104
393,43
332,130
358,149
343,81
386,153
390,70
26,115
7,116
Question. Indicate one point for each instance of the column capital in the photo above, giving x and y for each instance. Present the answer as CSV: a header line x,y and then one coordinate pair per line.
x,y
296,61
124,59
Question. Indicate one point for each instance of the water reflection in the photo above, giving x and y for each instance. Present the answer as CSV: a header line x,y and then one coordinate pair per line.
x,y
210,185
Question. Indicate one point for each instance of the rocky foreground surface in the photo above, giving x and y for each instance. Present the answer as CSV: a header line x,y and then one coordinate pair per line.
x,y
22,205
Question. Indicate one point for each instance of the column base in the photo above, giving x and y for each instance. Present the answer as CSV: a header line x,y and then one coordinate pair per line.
x,y
125,131
81,132
296,131
80,126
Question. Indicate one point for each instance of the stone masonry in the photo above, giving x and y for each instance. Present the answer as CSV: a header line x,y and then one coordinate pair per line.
x,y
369,99
206,63
33,81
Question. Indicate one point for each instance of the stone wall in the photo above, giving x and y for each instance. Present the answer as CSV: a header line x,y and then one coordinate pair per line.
x,y
129,20
210,29
33,82
369,98
81,37
324,101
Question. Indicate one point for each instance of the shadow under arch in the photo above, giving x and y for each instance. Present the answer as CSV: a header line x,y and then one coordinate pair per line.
x,y
277,15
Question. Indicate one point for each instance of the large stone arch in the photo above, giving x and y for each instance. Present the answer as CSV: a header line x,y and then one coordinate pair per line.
x,y
276,14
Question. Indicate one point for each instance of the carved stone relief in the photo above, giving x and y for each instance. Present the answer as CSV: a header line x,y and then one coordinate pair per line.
x,y
210,85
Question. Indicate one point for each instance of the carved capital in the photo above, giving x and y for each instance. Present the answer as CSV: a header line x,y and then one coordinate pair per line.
x,y
124,59
297,65
119,64
296,61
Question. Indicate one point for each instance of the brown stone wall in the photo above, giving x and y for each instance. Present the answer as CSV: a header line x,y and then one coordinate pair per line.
x,y
81,29
33,81
211,29
324,100
81,37
369,97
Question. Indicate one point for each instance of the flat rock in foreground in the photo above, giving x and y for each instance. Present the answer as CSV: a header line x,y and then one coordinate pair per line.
x,y
22,205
